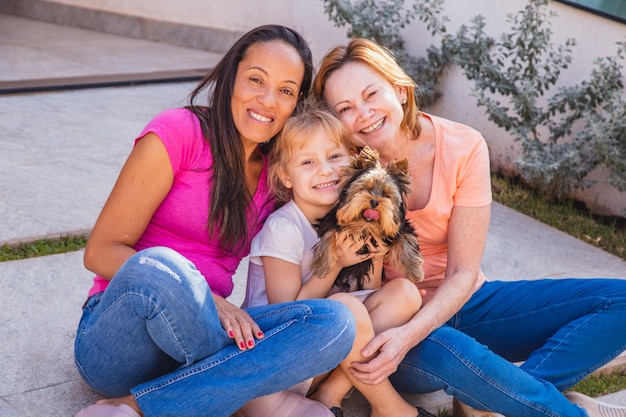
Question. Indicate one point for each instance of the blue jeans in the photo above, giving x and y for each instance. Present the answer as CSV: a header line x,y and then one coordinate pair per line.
x,y
562,330
155,333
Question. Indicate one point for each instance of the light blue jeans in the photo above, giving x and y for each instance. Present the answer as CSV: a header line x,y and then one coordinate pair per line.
x,y
562,330
155,333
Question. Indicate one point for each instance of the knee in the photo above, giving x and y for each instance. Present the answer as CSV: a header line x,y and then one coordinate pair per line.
x,y
404,292
158,255
159,259
356,307
339,321
362,320
158,266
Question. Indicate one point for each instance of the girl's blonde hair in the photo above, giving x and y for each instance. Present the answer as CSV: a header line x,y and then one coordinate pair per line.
x,y
312,116
381,60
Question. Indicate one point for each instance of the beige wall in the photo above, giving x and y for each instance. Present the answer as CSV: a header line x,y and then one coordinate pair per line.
x,y
595,37
306,16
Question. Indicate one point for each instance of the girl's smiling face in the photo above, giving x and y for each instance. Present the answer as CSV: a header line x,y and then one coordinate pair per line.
x,y
313,172
266,89
366,103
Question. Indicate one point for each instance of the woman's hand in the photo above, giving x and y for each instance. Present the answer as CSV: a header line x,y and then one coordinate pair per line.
x,y
391,347
237,323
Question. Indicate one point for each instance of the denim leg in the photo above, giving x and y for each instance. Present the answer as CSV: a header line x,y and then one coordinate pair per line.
x,y
156,315
155,332
302,339
562,329
453,361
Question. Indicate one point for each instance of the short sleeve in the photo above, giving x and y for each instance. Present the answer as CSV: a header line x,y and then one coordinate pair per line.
x,y
279,238
473,175
182,136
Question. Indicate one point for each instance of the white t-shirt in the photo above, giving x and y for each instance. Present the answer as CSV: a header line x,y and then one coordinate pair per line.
x,y
286,235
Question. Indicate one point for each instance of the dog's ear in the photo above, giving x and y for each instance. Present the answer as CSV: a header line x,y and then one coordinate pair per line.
x,y
367,158
401,167
400,171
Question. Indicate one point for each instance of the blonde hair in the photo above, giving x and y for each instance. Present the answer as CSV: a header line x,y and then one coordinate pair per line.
x,y
312,116
379,59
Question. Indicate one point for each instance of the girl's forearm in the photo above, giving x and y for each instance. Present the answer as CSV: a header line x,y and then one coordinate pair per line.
x,y
318,287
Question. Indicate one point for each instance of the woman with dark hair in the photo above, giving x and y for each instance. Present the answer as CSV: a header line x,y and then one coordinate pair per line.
x,y
157,333
470,331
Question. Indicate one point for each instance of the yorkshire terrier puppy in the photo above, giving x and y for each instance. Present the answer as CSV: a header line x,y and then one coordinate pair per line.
x,y
371,209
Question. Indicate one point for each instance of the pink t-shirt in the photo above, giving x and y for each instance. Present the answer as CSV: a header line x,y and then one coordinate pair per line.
x,y
180,222
461,177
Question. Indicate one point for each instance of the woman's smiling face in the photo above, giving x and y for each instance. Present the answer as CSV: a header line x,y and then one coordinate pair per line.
x,y
266,90
366,103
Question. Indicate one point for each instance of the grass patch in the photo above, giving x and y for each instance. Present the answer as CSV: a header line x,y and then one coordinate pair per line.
x,y
598,385
570,216
42,247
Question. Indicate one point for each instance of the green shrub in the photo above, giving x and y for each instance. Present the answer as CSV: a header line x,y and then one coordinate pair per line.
x,y
566,132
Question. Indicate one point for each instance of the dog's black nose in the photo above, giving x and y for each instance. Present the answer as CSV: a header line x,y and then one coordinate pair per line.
x,y
373,203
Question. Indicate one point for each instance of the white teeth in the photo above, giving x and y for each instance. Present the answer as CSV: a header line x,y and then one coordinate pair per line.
x,y
257,116
373,127
326,185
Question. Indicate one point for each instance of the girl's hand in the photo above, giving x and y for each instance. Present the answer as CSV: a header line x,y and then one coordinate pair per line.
x,y
347,254
379,253
237,323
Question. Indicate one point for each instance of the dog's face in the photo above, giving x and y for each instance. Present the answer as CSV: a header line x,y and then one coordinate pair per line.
x,y
371,209
374,194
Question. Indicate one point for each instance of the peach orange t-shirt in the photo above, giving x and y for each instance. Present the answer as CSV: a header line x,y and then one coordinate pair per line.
x,y
461,177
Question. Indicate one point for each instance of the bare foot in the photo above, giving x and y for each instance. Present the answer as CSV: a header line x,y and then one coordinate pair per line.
x,y
129,400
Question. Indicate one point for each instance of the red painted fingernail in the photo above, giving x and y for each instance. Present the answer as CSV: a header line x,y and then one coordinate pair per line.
x,y
242,345
231,334
260,334
250,343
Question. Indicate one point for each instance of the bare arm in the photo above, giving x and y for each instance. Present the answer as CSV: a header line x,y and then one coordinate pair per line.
x,y
143,183
283,282
466,241
283,279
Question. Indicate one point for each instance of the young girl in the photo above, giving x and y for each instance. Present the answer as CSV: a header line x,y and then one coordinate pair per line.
x,y
305,169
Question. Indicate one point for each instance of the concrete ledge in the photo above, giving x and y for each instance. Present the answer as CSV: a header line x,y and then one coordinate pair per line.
x,y
196,37
100,81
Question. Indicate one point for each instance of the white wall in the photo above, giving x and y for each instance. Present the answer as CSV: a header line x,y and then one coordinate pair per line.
x,y
595,38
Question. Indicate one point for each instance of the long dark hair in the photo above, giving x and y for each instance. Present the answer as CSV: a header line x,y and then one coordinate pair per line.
x,y
229,195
